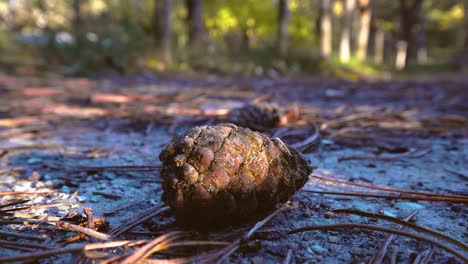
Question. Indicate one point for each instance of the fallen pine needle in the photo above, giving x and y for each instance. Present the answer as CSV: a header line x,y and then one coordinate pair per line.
x,y
160,243
385,188
397,197
74,249
405,224
381,229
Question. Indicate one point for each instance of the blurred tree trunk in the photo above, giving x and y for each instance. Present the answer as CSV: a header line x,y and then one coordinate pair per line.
x,y
379,45
77,19
346,30
364,28
325,28
420,45
162,27
409,16
195,21
283,23
465,43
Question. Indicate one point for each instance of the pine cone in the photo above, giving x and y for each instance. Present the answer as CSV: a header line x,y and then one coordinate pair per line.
x,y
217,174
257,116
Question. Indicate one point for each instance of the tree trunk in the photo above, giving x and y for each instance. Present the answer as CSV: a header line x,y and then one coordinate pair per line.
x,y
283,23
409,15
325,28
421,51
77,19
162,27
401,54
465,42
364,28
195,21
379,46
346,30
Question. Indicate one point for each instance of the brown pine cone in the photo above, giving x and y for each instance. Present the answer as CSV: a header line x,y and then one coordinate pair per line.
x,y
257,116
218,174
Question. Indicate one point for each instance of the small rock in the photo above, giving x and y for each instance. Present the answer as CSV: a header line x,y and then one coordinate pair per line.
x,y
110,175
409,206
32,161
328,215
81,199
388,213
318,249
333,239
257,260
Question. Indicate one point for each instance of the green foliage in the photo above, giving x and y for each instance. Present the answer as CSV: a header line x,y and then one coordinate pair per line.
x,y
117,36
103,44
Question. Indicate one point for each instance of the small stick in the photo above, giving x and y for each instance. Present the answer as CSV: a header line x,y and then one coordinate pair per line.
x,y
83,230
89,214
381,229
398,197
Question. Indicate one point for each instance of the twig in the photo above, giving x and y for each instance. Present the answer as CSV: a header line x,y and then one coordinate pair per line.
x,y
83,230
379,255
397,197
384,188
89,215
381,229
405,224
409,154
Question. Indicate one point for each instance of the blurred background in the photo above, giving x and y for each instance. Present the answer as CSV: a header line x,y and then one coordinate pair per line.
x,y
344,38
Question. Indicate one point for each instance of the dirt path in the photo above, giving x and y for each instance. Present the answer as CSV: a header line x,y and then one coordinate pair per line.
x,y
407,135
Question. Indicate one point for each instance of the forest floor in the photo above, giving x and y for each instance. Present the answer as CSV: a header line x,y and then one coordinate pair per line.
x,y
59,137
